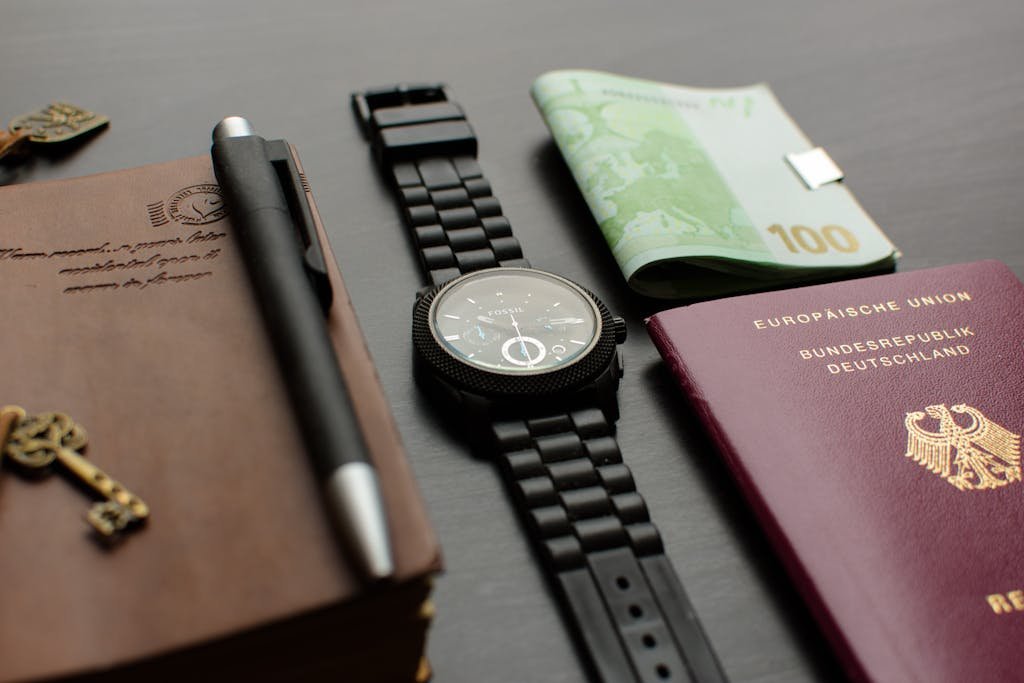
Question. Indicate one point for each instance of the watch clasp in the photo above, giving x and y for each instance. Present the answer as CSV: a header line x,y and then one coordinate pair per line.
x,y
406,122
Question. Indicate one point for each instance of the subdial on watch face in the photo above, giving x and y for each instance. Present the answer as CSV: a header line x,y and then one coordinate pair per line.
x,y
477,334
513,320
523,351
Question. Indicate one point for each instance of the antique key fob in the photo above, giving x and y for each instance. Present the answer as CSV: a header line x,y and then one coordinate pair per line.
x,y
56,123
36,442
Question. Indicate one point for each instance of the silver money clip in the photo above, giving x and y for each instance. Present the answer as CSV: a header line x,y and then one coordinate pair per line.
x,y
815,167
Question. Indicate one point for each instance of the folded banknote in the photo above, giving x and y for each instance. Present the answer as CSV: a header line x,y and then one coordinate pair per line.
x,y
692,190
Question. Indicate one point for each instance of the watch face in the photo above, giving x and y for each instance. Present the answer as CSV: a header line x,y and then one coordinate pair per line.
x,y
515,321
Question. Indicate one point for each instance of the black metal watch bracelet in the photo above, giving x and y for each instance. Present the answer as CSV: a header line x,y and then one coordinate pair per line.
x,y
425,143
582,510
576,498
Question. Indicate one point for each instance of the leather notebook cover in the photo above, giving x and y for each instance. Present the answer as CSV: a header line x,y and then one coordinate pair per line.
x,y
126,305
874,425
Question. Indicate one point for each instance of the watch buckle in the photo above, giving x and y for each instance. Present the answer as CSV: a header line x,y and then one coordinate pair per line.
x,y
366,102
408,122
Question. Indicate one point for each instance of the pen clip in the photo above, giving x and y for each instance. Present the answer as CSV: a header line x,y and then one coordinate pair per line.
x,y
294,186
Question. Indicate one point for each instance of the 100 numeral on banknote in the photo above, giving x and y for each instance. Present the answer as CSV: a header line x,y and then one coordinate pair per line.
x,y
802,238
690,189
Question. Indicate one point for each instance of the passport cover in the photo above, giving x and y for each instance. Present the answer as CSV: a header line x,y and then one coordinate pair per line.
x,y
127,305
874,426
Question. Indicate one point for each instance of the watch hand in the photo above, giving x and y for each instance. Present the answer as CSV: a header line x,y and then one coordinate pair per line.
x,y
522,344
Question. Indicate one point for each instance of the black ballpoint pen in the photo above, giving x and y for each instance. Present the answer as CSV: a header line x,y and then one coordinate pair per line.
x,y
295,320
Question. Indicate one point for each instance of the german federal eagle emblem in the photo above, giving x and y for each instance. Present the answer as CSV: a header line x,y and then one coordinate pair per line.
x,y
970,452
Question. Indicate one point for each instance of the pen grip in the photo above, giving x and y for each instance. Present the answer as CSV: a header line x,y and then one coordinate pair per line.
x,y
274,258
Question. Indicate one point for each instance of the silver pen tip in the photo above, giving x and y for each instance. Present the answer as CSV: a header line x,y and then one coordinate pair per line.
x,y
353,497
233,127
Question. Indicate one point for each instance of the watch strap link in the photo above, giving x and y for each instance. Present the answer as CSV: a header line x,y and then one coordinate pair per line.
x,y
582,510
427,148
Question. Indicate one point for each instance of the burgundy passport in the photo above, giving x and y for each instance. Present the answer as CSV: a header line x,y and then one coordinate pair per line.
x,y
874,426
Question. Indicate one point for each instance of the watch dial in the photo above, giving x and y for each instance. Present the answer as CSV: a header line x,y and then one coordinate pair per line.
x,y
515,321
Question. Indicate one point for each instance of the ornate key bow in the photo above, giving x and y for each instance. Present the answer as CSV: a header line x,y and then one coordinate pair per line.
x,y
35,442
56,123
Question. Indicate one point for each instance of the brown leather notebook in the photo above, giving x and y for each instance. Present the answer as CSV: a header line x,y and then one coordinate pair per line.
x,y
127,306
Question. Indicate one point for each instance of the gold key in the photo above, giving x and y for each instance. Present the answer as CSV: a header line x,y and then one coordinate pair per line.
x,y
56,123
37,441
9,418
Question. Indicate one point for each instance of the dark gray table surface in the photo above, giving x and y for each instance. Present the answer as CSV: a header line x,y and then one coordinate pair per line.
x,y
921,102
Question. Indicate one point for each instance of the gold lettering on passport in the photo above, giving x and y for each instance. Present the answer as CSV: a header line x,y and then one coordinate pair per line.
x,y
842,312
1006,603
978,455
893,342
919,346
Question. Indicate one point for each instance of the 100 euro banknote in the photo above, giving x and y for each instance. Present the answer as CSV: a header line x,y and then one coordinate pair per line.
x,y
691,190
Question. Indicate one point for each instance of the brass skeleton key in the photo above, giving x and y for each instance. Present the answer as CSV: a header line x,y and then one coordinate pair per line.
x,y
39,440
10,416
57,123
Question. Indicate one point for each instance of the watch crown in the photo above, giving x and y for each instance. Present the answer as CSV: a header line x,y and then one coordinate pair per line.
x,y
619,325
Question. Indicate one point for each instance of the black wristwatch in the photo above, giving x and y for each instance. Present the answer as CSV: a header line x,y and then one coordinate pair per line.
x,y
526,362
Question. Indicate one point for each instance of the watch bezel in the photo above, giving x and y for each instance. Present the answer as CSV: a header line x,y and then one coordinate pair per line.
x,y
477,379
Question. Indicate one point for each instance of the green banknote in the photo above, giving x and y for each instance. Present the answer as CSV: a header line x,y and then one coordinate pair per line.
x,y
691,189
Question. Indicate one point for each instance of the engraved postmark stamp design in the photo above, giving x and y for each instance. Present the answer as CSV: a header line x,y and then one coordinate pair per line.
x,y
192,205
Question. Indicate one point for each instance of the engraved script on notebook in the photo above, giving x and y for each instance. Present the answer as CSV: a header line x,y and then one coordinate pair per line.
x,y
978,455
111,266
169,232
